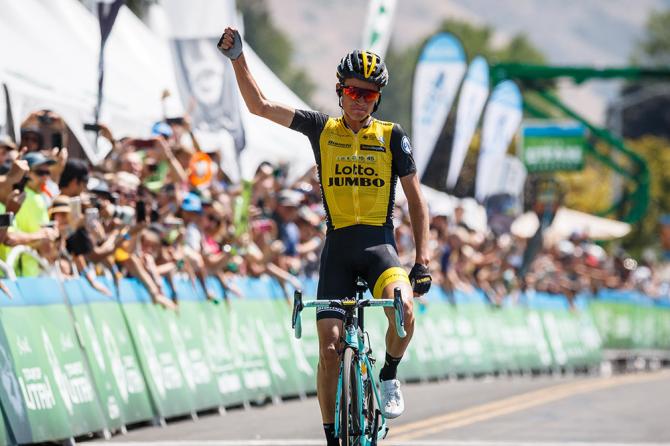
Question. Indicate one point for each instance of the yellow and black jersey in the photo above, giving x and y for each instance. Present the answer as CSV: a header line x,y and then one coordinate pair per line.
x,y
358,171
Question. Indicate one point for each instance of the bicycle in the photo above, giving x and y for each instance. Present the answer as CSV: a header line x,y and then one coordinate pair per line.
x,y
358,419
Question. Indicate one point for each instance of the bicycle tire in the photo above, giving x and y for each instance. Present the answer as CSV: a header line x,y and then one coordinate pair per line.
x,y
349,411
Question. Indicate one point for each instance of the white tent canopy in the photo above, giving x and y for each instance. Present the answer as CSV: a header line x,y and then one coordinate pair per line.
x,y
49,59
567,222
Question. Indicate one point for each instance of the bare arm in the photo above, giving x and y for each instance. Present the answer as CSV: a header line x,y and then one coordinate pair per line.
x,y
418,214
256,101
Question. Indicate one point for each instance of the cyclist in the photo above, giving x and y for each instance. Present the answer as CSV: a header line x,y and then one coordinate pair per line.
x,y
359,160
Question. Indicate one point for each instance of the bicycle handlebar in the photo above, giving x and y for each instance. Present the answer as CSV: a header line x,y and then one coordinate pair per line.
x,y
348,305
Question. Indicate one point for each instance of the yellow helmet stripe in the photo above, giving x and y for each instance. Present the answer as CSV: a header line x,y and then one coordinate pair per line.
x,y
368,66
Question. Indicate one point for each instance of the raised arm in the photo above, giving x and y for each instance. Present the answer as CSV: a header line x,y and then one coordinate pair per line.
x,y
230,45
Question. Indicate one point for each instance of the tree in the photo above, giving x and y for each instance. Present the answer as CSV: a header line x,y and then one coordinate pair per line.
x,y
274,47
654,48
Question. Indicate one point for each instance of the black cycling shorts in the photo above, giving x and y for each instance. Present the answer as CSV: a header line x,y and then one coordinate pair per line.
x,y
362,251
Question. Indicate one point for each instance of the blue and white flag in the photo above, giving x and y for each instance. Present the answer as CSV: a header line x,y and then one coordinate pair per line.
x,y
471,102
502,118
438,74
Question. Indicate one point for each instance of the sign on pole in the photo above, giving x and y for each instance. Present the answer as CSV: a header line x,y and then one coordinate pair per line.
x,y
550,146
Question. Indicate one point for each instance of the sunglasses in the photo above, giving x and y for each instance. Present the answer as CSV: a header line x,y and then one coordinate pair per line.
x,y
214,219
356,93
42,172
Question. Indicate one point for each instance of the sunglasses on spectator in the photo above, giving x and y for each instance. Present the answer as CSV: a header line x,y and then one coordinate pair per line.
x,y
356,93
42,172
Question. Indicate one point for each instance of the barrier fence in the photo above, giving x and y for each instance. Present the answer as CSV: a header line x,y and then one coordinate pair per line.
x,y
73,361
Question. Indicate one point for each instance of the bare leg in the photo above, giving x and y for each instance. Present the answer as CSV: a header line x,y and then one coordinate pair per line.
x,y
395,345
329,358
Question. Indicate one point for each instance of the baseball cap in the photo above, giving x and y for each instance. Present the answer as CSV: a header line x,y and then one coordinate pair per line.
x,y
290,197
161,128
99,187
191,203
36,159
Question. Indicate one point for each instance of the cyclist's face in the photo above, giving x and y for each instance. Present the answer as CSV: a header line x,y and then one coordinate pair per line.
x,y
359,108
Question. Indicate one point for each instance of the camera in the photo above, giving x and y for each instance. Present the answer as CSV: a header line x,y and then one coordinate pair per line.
x,y
6,220
124,213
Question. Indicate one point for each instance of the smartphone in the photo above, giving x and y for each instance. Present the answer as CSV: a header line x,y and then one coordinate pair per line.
x,y
57,140
6,220
140,211
21,184
92,127
75,209
175,121
91,215
154,216
143,143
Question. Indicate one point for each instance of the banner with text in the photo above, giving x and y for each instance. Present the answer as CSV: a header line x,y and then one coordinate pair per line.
x,y
378,26
471,102
437,76
501,121
549,146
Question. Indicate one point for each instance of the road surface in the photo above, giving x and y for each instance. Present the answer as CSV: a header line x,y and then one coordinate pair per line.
x,y
631,409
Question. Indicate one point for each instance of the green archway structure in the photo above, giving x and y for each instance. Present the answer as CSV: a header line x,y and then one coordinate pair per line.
x,y
634,168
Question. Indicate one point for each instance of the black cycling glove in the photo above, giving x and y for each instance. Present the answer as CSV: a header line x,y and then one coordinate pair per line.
x,y
420,279
236,50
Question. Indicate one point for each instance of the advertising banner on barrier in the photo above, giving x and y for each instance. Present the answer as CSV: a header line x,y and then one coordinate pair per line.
x,y
550,146
378,26
168,388
437,76
501,120
191,344
223,361
243,319
474,92
110,351
47,391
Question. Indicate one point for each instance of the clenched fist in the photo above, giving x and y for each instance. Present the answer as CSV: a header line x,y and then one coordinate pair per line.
x,y
230,43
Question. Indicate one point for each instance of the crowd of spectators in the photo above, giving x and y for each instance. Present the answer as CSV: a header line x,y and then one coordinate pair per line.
x,y
163,206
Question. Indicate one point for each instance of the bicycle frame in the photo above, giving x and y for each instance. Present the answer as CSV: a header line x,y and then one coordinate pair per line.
x,y
353,338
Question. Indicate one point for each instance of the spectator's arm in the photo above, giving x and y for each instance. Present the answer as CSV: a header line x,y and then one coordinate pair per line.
x,y
89,274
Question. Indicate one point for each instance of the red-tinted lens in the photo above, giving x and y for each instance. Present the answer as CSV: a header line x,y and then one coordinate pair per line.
x,y
356,93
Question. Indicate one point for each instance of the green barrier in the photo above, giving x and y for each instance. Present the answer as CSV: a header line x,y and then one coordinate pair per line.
x,y
615,323
663,329
111,355
153,341
47,392
3,431
225,364
244,316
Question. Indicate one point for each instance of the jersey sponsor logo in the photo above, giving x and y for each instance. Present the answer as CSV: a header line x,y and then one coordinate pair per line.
x,y
355,181
355,175
339,145
373,148
378,138
357,158
405,145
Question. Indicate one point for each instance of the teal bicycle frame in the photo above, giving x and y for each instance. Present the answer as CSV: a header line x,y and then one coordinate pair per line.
x,y
366,424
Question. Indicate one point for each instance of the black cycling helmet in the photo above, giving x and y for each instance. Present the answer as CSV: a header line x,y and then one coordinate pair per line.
x,y
364,65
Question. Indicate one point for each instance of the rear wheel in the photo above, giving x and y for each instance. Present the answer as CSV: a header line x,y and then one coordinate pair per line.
x,y
350,429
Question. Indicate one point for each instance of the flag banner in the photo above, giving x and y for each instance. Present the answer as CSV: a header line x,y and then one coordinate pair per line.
x,y
438,74
205,79
510,178
378,26
107,12
471,102
549,146
502,118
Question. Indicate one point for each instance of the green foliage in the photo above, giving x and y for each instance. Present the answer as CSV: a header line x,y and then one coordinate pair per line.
x,y
273,47
477,40
656,151
654,49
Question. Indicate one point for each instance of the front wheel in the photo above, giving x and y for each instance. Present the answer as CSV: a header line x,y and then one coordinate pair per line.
x,y
350,429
